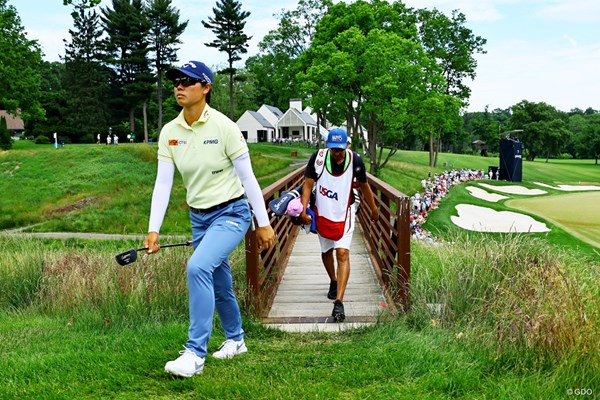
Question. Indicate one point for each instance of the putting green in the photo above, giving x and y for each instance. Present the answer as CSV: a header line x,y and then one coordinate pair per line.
x,y
577,213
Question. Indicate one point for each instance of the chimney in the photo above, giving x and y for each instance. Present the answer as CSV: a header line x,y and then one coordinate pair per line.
x,y
296,103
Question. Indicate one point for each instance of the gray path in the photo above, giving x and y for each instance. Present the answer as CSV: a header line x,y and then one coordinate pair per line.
x,y
301,302
74,235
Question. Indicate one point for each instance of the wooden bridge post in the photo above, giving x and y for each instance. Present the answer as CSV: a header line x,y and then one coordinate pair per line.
x,y
253,297
263,271
403,255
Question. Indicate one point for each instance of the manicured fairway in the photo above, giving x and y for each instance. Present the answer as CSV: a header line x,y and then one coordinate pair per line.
x,y
577,213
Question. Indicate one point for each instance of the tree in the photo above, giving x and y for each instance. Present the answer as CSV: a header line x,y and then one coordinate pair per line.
x,y
20,59
127,48
436,113
383,64
5,139
85,78
394,83
592,136
164,37
486,126
451,45
587,139
53,100
365,66
244,90
544,129
228,26
275,77
275,69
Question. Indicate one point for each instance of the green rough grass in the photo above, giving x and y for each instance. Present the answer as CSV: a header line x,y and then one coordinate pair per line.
x,y
110,192
62,358
76,325
520,316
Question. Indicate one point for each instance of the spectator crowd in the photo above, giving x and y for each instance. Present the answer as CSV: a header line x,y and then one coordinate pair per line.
x,y
432,191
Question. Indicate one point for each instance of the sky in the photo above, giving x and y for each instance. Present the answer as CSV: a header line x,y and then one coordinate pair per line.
x,y
537,50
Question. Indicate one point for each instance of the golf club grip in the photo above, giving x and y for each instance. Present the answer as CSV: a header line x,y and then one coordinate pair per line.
x,y
188,243
162,246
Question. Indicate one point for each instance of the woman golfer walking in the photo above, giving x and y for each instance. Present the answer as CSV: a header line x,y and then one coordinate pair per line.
x,y
210,153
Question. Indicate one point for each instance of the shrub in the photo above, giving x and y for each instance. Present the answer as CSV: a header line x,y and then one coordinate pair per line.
x,y
87,138
41,139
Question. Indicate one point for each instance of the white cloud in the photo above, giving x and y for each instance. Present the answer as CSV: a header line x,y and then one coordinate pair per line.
x,y
585,11
474,10
570,40
492,10
559,73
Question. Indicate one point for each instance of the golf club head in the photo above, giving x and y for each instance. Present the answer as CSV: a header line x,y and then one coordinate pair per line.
x,y
126,257
129,256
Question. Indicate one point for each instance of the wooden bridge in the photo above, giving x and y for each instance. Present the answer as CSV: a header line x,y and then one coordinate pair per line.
x,y
287,284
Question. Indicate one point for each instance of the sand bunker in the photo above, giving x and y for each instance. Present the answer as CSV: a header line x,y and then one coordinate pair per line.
x,y
483,195
569,188
514,189
483,219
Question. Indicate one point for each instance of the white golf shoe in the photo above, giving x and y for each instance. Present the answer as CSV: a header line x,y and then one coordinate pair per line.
x,y
187,364
230,348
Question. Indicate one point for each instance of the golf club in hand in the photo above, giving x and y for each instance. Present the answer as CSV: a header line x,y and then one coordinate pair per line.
x,y
129,256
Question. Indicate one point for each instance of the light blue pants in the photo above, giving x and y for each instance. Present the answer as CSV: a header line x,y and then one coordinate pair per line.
x,y
215,236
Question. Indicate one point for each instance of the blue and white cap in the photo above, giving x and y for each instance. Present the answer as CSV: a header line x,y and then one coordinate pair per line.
x,y
337,139
193,69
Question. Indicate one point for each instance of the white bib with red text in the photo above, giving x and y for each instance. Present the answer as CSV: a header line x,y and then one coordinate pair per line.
x,y
332,198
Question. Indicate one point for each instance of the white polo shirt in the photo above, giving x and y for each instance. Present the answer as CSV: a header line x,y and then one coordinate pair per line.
x,y
203,154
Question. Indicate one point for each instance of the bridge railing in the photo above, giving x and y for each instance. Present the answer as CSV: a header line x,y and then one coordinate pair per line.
x,y
264,270
387,241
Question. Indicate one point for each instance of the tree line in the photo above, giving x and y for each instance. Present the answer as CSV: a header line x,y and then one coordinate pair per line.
x,y
394,74
545,131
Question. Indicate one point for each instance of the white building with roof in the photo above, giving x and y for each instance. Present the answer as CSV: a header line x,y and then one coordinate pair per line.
x,y
270,124
296,124
14,123
255,127
271,113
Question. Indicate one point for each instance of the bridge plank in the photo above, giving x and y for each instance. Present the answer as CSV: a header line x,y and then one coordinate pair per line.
x,y
301,302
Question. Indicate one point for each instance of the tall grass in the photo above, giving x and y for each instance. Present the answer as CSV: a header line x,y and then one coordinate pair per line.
x,y
516,295
87,282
